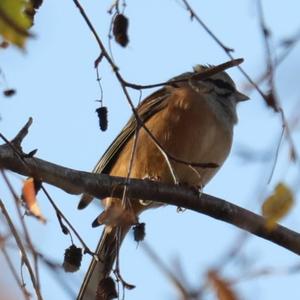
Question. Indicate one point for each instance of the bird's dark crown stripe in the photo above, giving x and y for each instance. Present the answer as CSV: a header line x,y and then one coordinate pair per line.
x,y
221,84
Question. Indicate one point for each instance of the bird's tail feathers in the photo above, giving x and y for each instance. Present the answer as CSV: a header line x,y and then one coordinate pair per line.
x,y
101,266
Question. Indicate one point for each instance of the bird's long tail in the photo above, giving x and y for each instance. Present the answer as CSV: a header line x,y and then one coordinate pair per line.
x,y
107,250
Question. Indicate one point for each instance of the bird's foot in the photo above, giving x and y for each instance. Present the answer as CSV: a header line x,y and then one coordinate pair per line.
x,y
197,189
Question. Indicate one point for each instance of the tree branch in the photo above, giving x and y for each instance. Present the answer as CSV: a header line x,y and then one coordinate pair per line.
x,y
102,185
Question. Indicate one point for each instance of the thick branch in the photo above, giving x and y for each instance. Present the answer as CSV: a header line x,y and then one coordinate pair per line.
x,y
102,185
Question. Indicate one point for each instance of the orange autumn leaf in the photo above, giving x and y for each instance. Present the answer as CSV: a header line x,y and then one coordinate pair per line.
x,y
29,197
276,206
221,286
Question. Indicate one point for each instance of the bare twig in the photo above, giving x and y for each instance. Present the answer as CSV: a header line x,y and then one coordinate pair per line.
x,y
276,105
26,294
60,213
276,155
24,227
185,294
125,84
218,41
288,44
15,146
271,73
267,271
19,242
199,76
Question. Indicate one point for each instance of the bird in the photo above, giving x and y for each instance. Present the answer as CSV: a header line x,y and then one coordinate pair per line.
x,y
189,120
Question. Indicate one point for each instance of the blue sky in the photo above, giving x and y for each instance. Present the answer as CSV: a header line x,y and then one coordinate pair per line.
x,y
56,85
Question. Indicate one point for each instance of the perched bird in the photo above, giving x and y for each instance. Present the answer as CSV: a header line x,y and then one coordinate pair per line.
x,y
193,121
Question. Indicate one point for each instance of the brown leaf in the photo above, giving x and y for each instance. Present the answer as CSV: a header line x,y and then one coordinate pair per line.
x,y
29,192
139,232
102,116
120,28
271,101
221,286
4,44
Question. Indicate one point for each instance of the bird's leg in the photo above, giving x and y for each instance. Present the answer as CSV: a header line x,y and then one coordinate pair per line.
x,y
197,189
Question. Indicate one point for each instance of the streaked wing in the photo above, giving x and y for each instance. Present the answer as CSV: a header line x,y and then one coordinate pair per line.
x,y
148,107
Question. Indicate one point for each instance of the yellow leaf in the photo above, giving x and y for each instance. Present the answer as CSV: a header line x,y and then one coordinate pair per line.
x,y
277,205
29,196
221,286
14,22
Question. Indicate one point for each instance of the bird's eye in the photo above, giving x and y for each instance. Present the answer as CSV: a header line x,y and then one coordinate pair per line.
x,y
222,84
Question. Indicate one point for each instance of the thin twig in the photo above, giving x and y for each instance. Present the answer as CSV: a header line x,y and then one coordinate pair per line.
x,y
271,71
250,80
15,145
24,227
276,154
267,271
185,294
19,242
228,52
125,84
218,41
289,46
10,264
60,213
198,76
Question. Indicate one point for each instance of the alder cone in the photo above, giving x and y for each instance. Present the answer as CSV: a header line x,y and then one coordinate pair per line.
x,y
120,28
102,115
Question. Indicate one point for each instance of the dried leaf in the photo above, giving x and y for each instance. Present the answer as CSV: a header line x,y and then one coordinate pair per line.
x,y
139,232
14,21
4,44
102,115
276,206
293,154
36,3
271,101
9,92
72,259
29,191
221,286
120,28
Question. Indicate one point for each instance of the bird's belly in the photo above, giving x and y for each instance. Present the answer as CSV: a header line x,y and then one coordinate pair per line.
x,y
193,135
188,131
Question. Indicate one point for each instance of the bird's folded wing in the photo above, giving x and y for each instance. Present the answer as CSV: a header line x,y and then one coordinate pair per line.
x,y
148,107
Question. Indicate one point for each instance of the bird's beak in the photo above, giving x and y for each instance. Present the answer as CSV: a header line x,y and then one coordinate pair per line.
x,y
241,97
